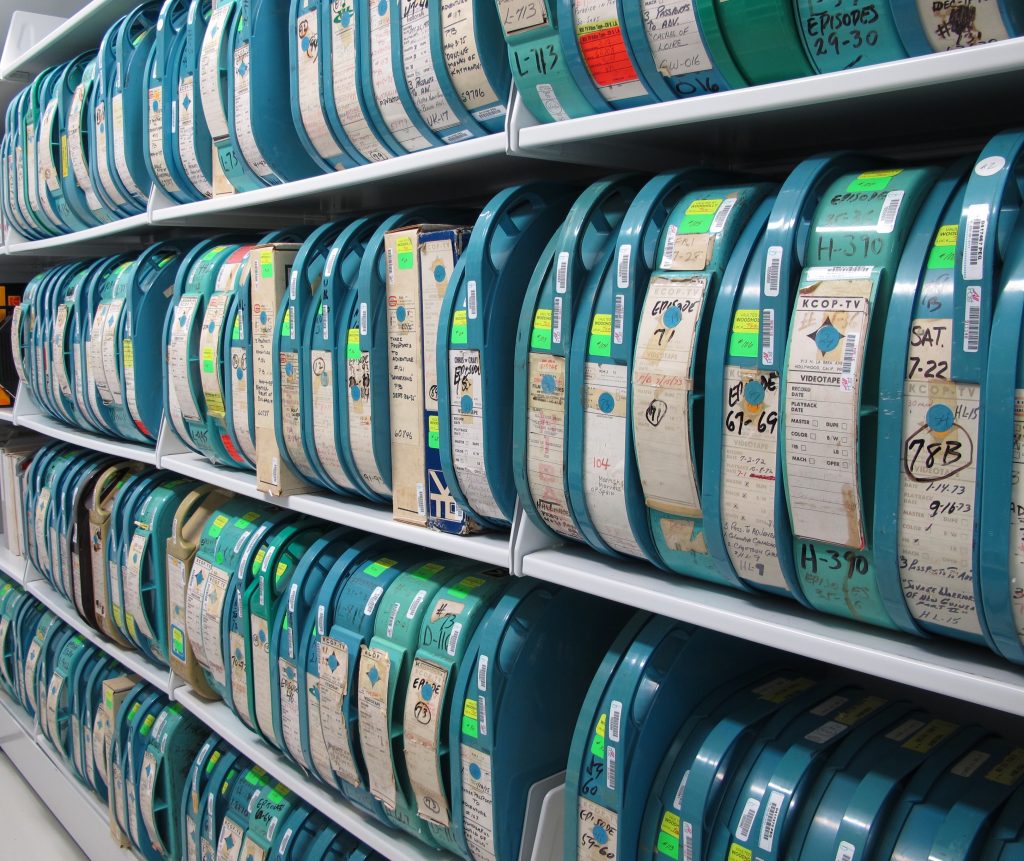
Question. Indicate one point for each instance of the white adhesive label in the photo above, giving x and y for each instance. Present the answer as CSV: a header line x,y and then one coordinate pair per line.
x,y
325,440
662,387
374,724
360,419
120,152
418,63
462,60
209,73
827,347
155,127
186,136
209,347
424,703
109,355
289,703
346,87
261,674
749,456
467,429
179,352
243,114
333,663
954,24
291,409
477,803
307,71
604,454
382,75
938,482
597,830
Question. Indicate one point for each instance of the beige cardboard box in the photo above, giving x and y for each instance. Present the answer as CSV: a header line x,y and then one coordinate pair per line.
x,y
413,316
271,269
114,692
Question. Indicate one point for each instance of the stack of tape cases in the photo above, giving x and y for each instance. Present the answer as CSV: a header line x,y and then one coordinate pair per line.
x,y
516,429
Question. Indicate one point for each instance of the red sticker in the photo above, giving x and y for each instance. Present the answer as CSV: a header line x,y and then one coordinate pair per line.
x,y
604,51
230,448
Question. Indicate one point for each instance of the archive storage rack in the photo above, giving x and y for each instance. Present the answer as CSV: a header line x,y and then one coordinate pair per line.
x,y
936,105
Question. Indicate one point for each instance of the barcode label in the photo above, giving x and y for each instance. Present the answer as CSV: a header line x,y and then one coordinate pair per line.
x,y
718,222
610,773
371,602
838,273
329,265
773,271
390,256
747,819
421,501
481,710
619,320
849,353
415,605
320,620
293,283
614,719
562,272
687,835
677,802
489,113
622,270
326,321
391,618
972,320
471,299
890,211
556,320
362,318
453,640
275,471
846,851
252,800
669,251
481,673
292,592
828,706
905,730
771,818
768,336
973,266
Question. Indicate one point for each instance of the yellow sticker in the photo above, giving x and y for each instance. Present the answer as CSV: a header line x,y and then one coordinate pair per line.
x,y
602,324
747,321
1010,770
670,824
739,853
704,207
601,725
860,710
947,235
542,319
470,709
926,738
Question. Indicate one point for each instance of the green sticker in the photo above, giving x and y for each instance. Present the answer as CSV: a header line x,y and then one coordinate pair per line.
x,y
178,642
433,431
459,328
377,568
597,746
403,249
668,845
236,331
540,339
872,180
699,215
470,727
267,264
286,323
601,335
743,345
941,258
218,525
352,350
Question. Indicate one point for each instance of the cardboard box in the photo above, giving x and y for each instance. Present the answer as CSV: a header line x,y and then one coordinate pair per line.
x,y
271,272
114,692
420,260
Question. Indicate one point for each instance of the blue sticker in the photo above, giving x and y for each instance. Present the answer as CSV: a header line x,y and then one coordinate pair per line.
x,y
600,835
427,691
356,394
439,273
940,418
288,369
606,402
466,404
238,373
753,393
827,337
474,771
672,316
400,313
547,383
382,7
156,105
263,318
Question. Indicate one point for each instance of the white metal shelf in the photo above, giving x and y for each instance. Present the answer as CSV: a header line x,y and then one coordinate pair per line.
x,y
492,548
78,809
219,718
58,430
81,32
14,567
7,414
902,103
946,667
39,588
